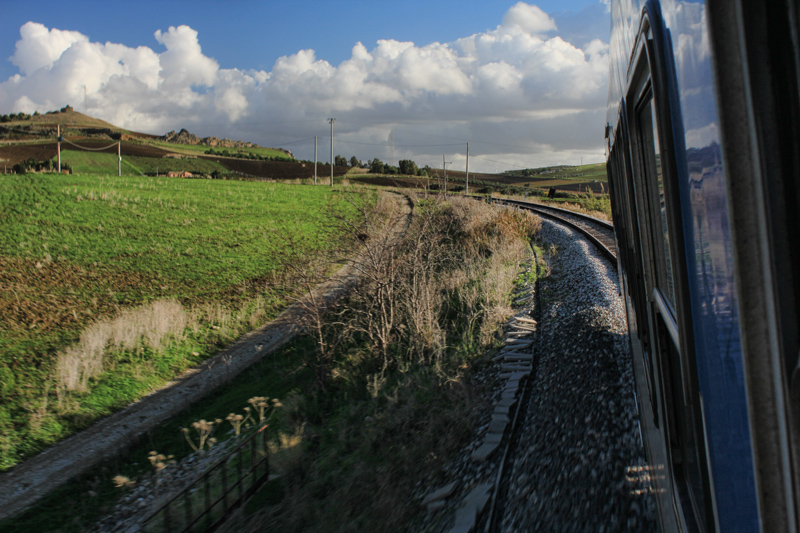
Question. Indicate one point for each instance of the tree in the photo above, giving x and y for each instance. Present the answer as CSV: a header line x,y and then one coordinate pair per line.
x,y
340,161
376,166
354,162
408,167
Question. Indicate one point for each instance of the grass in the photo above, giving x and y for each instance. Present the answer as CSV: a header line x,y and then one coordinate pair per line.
x,y
351,451
387,419
73,508
195,149
77,251
102,164
594,171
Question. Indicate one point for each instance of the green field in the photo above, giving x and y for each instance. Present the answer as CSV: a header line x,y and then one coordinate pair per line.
x,y
102,164
201,149
79,250
582,173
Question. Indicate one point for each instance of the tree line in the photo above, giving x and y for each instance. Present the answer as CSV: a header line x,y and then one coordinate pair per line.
x,y
405,167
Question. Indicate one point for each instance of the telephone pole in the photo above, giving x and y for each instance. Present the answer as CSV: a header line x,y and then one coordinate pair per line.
x,y
466,185
119,155
59,148
444,166
315,159
331,120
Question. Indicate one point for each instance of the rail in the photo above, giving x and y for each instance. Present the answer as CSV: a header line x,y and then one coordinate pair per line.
x,y
605,243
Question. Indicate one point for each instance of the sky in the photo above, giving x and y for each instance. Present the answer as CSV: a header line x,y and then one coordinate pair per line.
x,y
524,83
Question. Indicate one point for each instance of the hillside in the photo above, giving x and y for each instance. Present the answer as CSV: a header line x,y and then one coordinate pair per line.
x,y
22,129
28,143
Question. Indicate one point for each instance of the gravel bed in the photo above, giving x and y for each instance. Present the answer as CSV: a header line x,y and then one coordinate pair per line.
x,y
579,448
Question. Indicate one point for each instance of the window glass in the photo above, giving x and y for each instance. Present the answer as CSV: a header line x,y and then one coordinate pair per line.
x,y
661,237
668,286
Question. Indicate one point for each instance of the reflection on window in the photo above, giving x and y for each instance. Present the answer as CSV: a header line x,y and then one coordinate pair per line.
x,y
649,125
670,288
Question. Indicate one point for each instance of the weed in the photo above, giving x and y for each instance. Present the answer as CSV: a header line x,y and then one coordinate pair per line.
x,y
204,429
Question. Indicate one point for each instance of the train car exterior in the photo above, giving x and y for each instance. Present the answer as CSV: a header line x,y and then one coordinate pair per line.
x,y
703,143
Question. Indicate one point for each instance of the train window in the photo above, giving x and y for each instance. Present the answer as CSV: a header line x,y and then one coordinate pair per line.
x,y
673,357
652,158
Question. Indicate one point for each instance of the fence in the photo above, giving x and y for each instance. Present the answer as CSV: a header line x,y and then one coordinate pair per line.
x,y
205,503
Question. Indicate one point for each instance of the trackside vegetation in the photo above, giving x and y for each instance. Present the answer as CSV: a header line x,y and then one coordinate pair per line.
x,y
393,394
112,286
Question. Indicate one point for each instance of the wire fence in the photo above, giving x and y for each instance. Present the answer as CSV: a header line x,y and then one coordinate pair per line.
x,y
205,503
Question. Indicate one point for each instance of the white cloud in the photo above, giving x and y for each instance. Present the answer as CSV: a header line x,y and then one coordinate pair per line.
x,y
511,86
39,47
529,18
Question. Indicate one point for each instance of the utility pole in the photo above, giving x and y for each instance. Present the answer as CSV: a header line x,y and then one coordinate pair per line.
x,y
331,120
59,148
444,166
466,185
315,159
119,164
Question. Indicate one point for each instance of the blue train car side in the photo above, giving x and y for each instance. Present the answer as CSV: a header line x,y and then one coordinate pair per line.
x,y
703,138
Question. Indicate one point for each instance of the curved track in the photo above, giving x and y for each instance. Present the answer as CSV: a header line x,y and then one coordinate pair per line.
x,y
599,232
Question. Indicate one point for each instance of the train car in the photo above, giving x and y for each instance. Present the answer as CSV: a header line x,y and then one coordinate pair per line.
x,y
703,159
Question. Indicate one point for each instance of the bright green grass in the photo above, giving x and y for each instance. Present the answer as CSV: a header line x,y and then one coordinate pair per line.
x,y
592,172
102,164
196,148
106,243
206,231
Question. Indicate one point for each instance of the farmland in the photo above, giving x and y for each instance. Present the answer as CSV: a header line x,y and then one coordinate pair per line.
x,y
78,251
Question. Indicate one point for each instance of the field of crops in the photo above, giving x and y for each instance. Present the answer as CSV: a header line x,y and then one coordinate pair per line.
x,y
82,251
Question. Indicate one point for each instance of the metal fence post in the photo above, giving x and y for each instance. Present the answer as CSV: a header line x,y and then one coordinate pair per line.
x,y
207,485
224,467
187,506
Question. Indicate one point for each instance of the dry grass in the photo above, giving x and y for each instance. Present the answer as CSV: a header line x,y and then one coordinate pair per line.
x,y
397,398
150,326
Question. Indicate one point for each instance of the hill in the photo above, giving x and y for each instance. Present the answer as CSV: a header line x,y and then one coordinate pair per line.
x,y
90,147
23,128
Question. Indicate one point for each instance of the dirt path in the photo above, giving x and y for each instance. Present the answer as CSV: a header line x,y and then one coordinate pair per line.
x,y
26,483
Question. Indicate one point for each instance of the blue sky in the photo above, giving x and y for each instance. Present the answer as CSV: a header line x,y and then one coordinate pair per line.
x,y
501,75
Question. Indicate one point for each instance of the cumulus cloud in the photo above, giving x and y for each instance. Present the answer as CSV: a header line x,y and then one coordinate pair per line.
x,y
528,94
529,18
39,47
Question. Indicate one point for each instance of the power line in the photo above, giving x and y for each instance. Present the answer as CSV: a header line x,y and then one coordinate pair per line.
x,y
498,162
90,149
402,145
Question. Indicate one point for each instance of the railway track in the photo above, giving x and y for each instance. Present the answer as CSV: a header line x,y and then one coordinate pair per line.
x,y
554,415
599,232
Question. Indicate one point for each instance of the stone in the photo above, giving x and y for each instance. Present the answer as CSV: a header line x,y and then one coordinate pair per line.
x,y
440,494
493,438
484,451
501,410
515,367
520,342
501,418
497,426
473,506
506,402
436,506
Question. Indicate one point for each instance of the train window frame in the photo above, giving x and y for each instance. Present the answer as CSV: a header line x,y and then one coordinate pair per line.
x,y
684,427
633,253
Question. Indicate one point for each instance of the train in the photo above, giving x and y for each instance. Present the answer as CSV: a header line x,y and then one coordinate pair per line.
x,y
702,141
